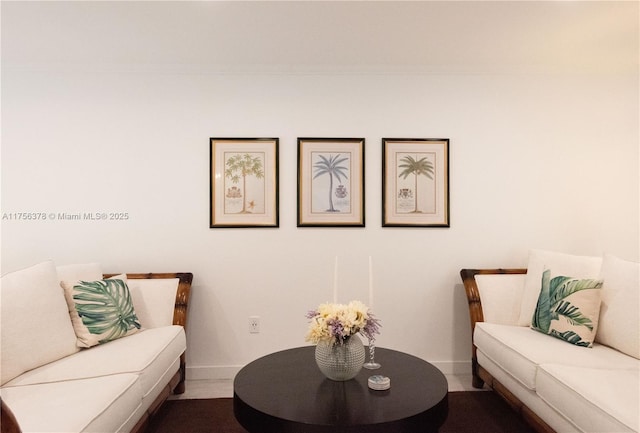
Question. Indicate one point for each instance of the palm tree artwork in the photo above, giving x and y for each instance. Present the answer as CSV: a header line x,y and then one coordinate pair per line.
x,y
238,168
554,305
416,166
332,166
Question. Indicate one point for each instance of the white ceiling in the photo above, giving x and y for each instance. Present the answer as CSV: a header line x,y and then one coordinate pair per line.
x,y
325,36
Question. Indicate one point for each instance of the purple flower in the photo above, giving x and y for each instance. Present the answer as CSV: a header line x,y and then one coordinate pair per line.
x,y
336,329
371,327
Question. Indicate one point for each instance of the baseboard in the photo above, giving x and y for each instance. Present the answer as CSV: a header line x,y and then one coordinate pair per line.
x,y
227,372
213,372
453,367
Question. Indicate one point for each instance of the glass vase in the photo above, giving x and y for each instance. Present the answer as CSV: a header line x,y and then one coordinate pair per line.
x,y
340,362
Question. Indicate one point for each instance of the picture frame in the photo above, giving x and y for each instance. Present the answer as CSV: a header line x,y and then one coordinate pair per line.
x,y
415,182
244,182
331,182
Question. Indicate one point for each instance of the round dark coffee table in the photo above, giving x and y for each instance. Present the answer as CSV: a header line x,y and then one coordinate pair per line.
x,y
285,392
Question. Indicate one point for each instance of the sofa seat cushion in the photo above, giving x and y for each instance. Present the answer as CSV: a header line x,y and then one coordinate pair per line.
x,y
520,350
101,404
148,353
528,397
593,399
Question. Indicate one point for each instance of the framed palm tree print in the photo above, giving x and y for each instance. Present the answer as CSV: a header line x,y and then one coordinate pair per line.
x,y
331,182
244,182
415,182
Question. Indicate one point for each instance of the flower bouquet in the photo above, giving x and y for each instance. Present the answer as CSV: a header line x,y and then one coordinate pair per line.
x,y
334,323
333,328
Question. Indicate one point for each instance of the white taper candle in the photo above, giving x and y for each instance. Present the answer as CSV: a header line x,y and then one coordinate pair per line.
x,y
370,282
335,281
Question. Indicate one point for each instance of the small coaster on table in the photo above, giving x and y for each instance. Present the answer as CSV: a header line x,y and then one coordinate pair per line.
x,y
379,383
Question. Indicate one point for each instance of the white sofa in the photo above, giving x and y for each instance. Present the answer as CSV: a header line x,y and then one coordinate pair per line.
x,y
51,384
555,385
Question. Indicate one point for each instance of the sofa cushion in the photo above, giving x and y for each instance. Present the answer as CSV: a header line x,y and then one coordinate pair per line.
x,y
148,353
154,300
527,396
35,321
619,314
101,311
592,399
562,264
101,404
501,297
520,350
568,309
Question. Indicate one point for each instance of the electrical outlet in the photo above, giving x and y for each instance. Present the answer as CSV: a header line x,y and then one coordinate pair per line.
x,y
254,324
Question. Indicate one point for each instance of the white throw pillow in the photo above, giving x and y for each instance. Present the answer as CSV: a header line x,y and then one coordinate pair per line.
x,y
101,311
501,296
154,300
35,327
568,308
562,264
620,311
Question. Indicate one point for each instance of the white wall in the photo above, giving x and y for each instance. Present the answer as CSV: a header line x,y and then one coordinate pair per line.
x,y
540,160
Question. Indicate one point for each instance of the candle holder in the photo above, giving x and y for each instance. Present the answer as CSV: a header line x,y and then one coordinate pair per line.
x,y
372,364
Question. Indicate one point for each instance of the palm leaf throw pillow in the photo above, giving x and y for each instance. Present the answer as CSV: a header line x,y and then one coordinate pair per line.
x,y
100,311
568,309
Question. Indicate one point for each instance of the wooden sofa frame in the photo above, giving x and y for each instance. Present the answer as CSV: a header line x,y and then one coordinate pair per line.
x,y
480,376
8,422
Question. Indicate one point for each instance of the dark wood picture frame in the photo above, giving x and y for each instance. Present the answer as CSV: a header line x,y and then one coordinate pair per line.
x,y
331,182
244,182
415,182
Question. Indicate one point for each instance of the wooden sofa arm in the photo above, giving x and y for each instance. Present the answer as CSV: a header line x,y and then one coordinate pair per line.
x,y
8,422
475,307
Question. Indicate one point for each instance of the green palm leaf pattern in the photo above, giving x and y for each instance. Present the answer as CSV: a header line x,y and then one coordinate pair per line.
x,y
105,308
542,316
571,337
552,304
572,314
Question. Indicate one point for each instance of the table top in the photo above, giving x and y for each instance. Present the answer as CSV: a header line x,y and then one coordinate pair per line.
x,y
286,392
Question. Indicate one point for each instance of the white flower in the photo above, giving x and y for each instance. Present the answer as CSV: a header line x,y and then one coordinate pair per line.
x,y
335,322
